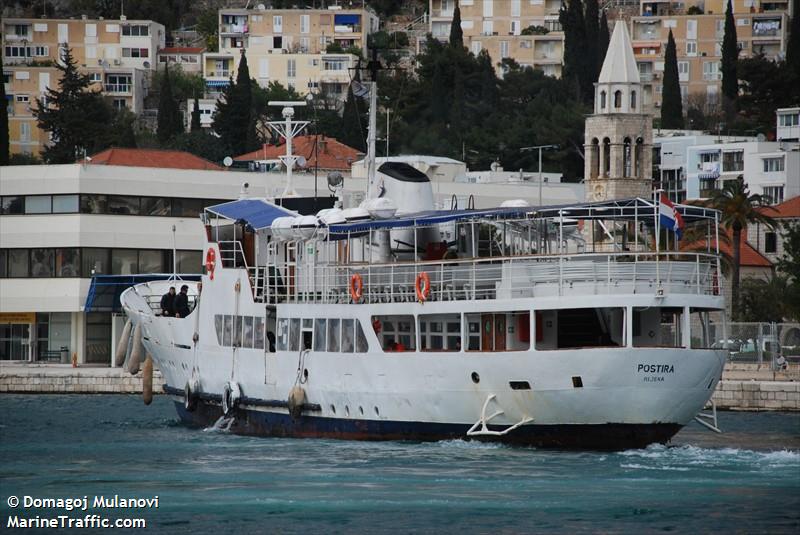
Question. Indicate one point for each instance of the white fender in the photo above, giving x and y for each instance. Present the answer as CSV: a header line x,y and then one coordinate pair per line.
x,y
122,346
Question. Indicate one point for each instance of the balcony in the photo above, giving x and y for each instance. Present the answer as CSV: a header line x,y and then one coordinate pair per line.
x,y
346,28
118,88
234,29
219,74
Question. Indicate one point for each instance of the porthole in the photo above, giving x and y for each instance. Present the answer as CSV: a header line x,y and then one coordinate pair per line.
x,y
347,411
305,373
476,378
377,412
333,409
361,410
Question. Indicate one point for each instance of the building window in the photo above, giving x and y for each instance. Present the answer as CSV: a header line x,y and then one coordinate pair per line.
x,y
633,100
773,194
119,103
626,157
733,161
789,119
602,100
305,23
41,51
711,70
503,49
95,77
135,53
617,99
18,51
772,165
691,48
606,156
23,99
291,68
135,30
770,242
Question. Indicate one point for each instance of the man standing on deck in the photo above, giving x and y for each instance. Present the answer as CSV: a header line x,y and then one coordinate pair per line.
x,y
182,303
168,302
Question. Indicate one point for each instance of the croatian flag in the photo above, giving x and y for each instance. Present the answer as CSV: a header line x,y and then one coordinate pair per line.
x,y
669,217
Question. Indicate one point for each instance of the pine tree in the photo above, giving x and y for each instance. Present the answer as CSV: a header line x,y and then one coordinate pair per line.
x,y
793,46
4,144
77,119
730,55
592,38
456,34
169,116
575,64
603,39
671,103
196,126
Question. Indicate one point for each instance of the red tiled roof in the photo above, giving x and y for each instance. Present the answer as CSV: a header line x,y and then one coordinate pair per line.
x,y
748,255
332,153
168,159
182,50
787,209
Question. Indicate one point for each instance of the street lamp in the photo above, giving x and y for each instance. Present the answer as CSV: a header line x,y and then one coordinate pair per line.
x,y
540,148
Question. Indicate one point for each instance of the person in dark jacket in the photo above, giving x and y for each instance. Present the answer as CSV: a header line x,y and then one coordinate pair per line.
x,y
168,302
182,303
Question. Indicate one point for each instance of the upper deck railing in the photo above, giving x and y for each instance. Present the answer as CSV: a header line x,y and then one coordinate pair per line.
x,y
500,278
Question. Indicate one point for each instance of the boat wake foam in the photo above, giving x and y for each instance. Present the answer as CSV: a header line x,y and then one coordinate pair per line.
x,y
682,458
222,425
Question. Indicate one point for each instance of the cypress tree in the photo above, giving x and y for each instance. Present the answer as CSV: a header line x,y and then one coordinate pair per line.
x,y
77,119
603,39
730,55
234,118
169,116
353,124
671,104
572,22
793,46
4,144
196,126
456,34
592,39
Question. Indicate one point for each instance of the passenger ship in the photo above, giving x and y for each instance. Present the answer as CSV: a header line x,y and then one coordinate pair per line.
x,y
549,326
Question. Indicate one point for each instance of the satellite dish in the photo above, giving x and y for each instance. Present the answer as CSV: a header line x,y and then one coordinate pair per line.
x,y
301,161
146,64
228,161
335,179
761,137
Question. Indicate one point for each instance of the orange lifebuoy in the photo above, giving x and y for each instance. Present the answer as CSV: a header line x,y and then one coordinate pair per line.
x,y
356,287
211,262
423,287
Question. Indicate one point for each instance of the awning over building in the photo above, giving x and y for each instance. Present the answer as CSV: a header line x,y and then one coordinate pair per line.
x,y
346,19
258,213
217,83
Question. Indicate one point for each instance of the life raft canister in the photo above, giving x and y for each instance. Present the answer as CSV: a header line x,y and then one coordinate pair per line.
x,y
423,287
211,262
356,287
231,395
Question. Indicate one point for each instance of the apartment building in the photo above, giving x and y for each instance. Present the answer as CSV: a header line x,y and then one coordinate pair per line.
x,y
188,58
290,46
117,54
761,28
497,26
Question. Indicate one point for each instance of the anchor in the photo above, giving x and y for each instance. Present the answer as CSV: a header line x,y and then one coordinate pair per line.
x,y
483,421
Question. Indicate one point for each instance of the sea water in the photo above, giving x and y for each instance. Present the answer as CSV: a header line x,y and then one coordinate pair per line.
x,y
746,480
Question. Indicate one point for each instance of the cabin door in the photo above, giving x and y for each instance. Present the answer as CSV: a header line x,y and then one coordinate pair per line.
x,y
487,332
499,332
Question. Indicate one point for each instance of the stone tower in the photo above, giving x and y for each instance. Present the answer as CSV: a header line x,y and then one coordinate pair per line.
x,y
619,135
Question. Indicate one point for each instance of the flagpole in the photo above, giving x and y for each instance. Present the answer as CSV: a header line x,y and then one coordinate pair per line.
x,y
657,211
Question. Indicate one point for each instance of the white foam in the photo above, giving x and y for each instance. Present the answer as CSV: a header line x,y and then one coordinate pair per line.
x,y
469,444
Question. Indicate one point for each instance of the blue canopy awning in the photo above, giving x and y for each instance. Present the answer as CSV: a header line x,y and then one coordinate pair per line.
x,y
217,83
258,213
346,19
431,217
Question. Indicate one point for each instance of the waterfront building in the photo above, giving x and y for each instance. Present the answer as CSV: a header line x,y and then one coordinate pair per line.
x,y
619,134
118,55
761,29
788,128
527,31
310,50
189,58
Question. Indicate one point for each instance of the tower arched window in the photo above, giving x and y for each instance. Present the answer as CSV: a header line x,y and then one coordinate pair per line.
x,y
617,99
633,100
606,156
602,100
626,157
594,167
637,157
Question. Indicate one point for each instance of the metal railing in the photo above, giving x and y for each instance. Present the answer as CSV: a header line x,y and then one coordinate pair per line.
x,y
500,278
762,342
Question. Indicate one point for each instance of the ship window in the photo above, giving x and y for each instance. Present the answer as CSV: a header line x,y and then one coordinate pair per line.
x,y
395,333
319,335
247,332
218,327
499,331
575,328
440,332
258,333
227,329
361,339
282,338
333,335
657,326
347,336
294,334
702,328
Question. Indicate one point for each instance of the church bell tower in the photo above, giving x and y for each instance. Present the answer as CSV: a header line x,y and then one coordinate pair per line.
x,y
619,134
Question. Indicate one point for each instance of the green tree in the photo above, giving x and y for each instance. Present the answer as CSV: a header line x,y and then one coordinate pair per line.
x,y
789,266
730,56
766,299
793,46
235,118
575,45
671,102
765,86
4,144
738,208
456,33
77,119
170,123
122,129
354,121
592,39
603,39
184,85
196,126
208,28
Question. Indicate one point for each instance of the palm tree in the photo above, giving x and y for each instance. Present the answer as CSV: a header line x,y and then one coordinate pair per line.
x,y
738,208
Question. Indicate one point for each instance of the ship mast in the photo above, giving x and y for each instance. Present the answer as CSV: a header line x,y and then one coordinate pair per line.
x,y
288,129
